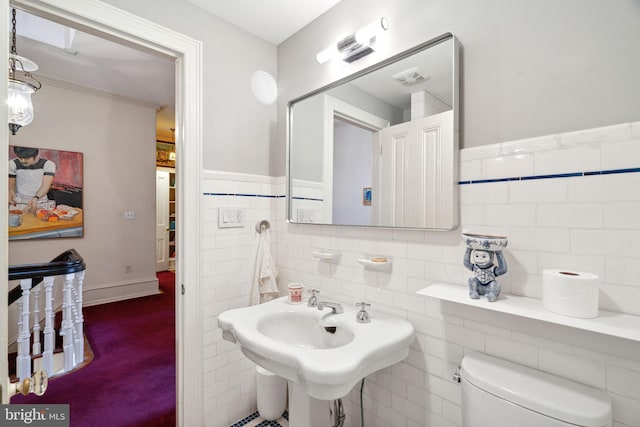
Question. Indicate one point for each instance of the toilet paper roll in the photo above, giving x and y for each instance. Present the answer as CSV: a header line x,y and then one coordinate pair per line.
x,y
570,293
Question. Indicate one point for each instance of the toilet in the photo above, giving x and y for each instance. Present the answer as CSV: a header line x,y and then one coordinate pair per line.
x,y
499,393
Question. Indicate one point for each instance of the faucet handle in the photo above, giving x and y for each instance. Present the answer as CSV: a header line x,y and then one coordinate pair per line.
x,y
363,316
313,299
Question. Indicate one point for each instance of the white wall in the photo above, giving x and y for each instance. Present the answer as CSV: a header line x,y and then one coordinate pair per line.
x,y
118,142
235,122
528,68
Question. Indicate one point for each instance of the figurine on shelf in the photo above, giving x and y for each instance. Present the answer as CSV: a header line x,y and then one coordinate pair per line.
x,y
479,258
485,272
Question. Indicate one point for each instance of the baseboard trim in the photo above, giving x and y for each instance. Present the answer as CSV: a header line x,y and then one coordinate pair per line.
x,y
119,291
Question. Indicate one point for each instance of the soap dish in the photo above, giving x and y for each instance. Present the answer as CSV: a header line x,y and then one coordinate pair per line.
x,y
328,255
376,263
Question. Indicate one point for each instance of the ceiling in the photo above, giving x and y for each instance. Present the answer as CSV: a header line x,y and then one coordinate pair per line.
x,y
114,68
271,20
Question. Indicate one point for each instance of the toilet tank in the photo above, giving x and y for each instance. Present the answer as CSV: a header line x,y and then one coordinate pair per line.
x,y
499,393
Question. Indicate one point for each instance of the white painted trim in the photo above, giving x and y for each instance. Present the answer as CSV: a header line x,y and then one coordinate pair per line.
x,y
241,177
101,286
303,183
98,17
334,107
119,298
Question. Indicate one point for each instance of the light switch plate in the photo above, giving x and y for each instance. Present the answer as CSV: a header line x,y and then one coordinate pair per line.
x,y
231,217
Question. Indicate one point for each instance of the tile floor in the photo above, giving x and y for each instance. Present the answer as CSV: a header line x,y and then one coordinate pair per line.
x,y
255,420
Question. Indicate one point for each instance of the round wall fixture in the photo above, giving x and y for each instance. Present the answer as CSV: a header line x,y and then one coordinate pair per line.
x,y
264,87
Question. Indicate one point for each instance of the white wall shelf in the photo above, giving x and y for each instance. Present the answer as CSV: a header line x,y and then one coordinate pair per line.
x,y
328,255
609,323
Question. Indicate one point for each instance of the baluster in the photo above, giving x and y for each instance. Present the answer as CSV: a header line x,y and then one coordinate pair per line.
x,y
37,346
49,330
24,357
79,318
20,323
67,322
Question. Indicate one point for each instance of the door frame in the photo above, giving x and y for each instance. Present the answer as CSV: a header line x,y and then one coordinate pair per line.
x,y
111,22
333,107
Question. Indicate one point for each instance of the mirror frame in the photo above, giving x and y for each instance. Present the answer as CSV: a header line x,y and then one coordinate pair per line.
x,y
456,112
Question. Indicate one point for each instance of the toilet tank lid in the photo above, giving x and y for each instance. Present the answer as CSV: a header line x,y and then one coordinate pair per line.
x,y
538,391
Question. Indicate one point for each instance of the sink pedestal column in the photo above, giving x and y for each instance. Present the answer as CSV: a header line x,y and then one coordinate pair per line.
x,y
306,411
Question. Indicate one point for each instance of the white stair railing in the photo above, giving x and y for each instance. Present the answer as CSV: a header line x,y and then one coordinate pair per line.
x,y
35,346
23,364
78,318
49,330
66,330
71,328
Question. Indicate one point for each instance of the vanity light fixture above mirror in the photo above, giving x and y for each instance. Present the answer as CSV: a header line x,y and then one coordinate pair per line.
x,y
355,45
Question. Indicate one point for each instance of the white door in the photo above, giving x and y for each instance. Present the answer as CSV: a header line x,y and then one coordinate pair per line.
x,y
162,220
412,158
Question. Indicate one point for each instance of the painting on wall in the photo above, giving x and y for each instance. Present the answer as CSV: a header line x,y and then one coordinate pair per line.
x,y
45,193
366,196
165,154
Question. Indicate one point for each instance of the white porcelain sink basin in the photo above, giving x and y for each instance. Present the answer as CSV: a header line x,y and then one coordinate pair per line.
x,y
303,330
327,354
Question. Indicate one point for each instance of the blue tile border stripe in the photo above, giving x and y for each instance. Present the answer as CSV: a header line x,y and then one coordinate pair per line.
x,y
467,182
550,176
308,198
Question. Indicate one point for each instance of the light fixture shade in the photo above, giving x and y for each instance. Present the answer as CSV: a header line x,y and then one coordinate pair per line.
x,y
356,45
19,103
328,54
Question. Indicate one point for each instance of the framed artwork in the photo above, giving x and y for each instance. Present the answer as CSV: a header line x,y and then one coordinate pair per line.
x,y
165,154
366,196
45,193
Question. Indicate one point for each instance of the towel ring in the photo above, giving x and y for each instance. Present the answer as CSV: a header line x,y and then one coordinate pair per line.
x,y
262,226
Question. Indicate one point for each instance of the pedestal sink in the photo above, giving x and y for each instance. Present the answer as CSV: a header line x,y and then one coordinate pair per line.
x,y
318,352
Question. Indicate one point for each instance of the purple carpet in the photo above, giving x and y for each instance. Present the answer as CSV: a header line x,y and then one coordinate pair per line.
x,y
132,378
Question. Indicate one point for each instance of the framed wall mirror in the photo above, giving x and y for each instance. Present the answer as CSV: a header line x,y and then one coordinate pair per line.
x,y
379,148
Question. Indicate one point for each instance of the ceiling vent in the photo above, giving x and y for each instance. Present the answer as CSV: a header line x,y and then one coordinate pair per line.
x,y
410,77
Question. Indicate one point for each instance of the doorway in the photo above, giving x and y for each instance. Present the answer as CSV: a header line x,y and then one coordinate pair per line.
x,y
114,23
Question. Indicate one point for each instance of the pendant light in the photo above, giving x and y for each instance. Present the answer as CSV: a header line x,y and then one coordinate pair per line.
x,y
21,85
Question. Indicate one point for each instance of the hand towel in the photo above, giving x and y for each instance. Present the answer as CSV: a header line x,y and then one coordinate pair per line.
x,y
264,287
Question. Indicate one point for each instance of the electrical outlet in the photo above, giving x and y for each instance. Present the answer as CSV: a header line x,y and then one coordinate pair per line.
x,y
128,268
129,215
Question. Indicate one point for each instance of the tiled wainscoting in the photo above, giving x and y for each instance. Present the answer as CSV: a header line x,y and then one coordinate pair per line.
x,y
228,261
567,201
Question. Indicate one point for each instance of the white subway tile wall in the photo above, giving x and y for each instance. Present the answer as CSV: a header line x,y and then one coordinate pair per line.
x,y
228,259
582,222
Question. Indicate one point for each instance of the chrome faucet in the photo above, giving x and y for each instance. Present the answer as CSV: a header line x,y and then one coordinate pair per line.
x,y
336,307
363,316
313,299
